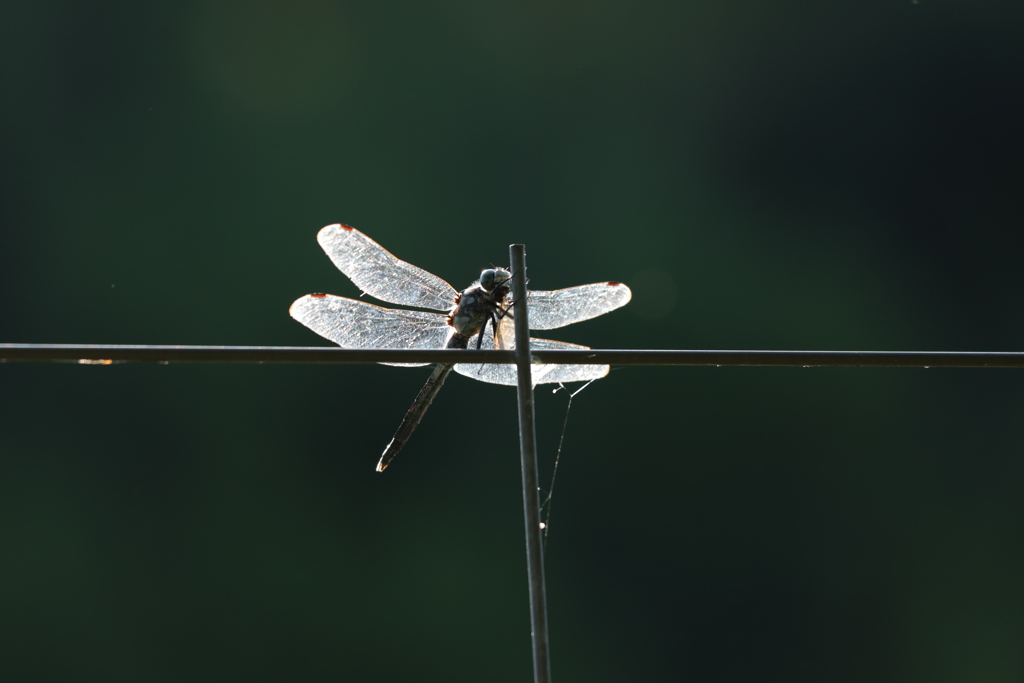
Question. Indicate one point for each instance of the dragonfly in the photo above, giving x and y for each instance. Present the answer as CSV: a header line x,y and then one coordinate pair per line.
x,y
480,316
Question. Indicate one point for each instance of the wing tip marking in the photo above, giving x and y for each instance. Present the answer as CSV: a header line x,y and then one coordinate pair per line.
x,y
328,230
626,292
293,310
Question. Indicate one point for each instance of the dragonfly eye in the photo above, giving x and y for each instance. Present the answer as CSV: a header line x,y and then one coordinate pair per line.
x,y
487,279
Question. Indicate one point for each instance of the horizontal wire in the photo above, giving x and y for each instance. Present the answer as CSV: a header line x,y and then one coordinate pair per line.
x,y
102,354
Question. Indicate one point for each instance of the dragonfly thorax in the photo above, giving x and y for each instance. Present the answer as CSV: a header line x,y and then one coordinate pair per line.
x,y
481,302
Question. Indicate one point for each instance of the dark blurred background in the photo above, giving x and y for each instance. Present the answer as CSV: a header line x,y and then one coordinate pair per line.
x,y
799,175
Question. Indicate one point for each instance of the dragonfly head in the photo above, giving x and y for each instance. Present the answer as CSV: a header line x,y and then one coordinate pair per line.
x,y
494,277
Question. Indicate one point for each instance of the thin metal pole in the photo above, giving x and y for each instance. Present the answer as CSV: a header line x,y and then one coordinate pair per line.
x,y
135,353
98,354
528,451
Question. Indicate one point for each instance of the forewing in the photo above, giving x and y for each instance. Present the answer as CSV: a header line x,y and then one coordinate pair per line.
x,y
561,307
379,273
497,373
355,324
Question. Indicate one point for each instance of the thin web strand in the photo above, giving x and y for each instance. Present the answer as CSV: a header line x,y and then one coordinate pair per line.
x,y
545,506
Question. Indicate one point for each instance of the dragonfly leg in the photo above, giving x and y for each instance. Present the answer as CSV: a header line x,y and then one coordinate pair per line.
x,y
483,328
507,311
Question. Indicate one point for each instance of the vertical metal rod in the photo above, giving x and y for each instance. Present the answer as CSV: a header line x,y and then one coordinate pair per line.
x,y
528,450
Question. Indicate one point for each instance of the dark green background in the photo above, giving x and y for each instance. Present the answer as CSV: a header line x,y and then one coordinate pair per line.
x,y
779,175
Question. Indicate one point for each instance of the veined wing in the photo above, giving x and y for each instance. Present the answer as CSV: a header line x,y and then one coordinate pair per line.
x,y
379,273
355,324
549,310
496,373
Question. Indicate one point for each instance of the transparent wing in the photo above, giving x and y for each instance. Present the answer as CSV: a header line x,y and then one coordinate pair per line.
x,y
377,272
496,373
549,310
354,324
